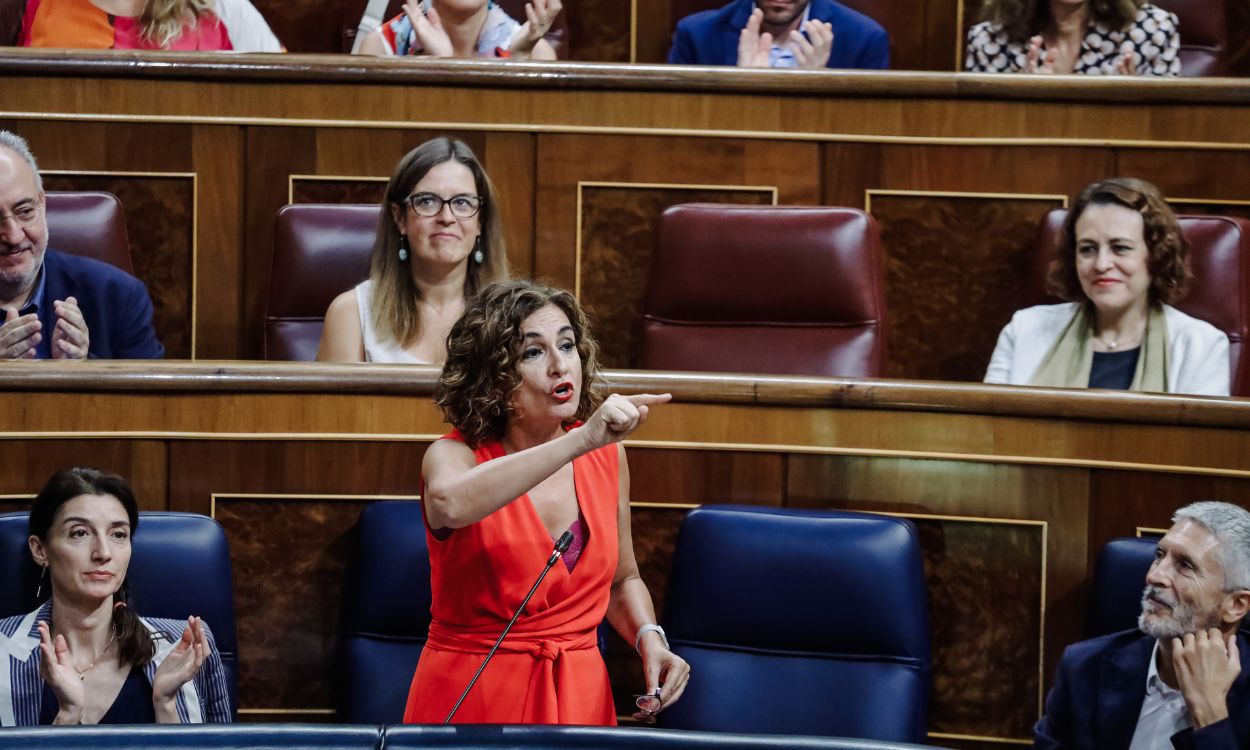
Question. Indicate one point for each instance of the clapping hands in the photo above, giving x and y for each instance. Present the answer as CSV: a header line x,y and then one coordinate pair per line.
x,y
811,45
429,29
180,665
539,16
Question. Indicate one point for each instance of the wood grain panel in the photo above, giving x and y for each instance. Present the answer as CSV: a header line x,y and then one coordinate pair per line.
x,y
160,217
685,476
1027,170
509,158
308,190
598,30
26,465
619,229
218,153
289,557
564,161
1192,175
273,154
200,468
954,268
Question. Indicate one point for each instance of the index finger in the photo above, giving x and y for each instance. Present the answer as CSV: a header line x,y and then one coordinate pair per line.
x,y
647,399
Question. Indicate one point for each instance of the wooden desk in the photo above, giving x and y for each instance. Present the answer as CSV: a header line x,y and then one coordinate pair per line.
x,y
1013,491
957,169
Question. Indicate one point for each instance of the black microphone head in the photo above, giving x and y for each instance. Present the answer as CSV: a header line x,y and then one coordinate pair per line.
x,y
562,545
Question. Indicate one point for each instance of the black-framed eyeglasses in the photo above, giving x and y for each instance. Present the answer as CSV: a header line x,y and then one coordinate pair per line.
x,y
428,204
649,704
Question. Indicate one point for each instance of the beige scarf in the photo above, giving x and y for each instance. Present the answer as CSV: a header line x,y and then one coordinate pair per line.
x,y
1068,362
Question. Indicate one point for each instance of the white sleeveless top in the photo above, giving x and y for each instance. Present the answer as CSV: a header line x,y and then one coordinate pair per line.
x,y
376,350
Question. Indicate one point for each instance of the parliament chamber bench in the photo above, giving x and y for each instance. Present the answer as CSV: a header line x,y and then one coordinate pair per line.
x,y
1012,491
956,170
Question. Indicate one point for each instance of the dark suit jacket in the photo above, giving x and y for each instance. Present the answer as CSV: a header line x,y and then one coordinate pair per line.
x,y
114,304
1098,695
711,36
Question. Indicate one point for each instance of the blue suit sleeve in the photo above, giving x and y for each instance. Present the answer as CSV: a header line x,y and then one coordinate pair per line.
x,y
682,51
876,54
136,334
1054,729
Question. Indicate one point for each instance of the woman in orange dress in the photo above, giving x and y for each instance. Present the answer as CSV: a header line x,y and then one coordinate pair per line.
x,y
519,471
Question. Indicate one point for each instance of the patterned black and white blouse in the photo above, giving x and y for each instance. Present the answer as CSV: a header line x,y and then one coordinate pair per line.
x,y
1153,36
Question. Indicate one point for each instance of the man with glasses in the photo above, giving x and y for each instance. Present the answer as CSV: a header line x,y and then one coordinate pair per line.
x,y
55,305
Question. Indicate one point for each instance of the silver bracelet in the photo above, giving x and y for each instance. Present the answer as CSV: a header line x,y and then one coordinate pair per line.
x,y
649,628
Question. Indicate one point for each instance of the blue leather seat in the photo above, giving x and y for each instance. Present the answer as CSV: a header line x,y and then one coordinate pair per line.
x,y
180,566
1119,578
486,737
194,737
386,612
800,622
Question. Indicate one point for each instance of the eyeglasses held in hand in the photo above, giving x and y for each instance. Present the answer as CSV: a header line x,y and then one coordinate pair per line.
x,y
649,704
429,204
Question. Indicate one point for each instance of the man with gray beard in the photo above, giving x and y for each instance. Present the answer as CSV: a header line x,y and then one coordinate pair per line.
x,y
1182,679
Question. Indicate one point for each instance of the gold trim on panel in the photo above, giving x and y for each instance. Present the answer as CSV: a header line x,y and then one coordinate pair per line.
x,y
868,194
960,36
1148,531
291,178
659,506
1210,201
213,496
195,222
577,252
539,128
633,31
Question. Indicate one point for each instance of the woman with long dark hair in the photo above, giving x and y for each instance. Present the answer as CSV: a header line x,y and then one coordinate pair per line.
x,y
85,656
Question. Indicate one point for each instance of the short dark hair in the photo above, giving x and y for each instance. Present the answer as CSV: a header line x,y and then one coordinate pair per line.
x,y
483,350
1166,247
134,643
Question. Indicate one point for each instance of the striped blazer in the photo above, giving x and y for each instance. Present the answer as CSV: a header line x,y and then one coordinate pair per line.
x,y
205,698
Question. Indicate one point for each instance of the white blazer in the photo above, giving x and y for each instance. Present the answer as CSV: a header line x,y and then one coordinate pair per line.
x,y
1197,351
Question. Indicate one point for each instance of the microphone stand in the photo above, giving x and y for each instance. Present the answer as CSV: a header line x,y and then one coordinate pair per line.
x,y
561,547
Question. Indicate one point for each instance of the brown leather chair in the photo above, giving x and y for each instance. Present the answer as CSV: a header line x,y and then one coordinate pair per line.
x,y
786,290
1219,294
320,251
92,225
1204,37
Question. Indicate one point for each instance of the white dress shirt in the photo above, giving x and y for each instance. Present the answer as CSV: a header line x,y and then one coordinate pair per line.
x,y
1163,713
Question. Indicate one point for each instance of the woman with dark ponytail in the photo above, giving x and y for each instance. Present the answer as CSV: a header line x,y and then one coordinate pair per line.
x,y
86,657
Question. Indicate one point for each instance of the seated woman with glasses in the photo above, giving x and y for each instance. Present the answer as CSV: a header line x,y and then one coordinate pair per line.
x,y
520,471
439,241
86,657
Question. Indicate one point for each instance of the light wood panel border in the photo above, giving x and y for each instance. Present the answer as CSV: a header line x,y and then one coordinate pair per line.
x,y
884,193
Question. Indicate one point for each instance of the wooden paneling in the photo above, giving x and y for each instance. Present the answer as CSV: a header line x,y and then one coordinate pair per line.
x,y
619,227
970,256
1012,491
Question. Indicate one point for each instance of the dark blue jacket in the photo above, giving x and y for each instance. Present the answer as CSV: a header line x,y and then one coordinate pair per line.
x,y
1099,690
114,304
711,36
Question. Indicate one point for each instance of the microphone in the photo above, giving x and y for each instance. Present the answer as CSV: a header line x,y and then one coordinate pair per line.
x,y
562,546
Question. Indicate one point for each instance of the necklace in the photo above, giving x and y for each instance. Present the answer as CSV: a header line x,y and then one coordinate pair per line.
x,y
1110,344
82,673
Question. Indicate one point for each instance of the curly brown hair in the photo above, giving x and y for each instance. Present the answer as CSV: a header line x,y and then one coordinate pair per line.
x,y
475,388
1167,249
1022,19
